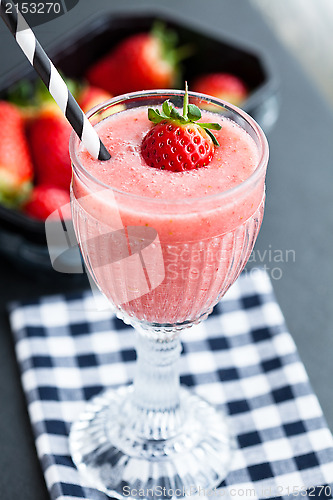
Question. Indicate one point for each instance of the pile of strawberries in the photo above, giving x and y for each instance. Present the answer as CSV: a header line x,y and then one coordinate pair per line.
x,y
35,168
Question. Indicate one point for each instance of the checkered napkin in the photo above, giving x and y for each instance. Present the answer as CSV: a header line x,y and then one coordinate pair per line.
x,y
241,358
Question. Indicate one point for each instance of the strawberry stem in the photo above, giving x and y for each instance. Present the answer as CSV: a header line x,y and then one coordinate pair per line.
x,y
185,102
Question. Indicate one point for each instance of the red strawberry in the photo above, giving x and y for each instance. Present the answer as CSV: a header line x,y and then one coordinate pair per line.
x,y
47,199
16,169
49,137
224,86
91,96
140,62
177,142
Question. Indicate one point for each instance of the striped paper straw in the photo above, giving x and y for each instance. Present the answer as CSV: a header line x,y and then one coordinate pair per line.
x,y
52,79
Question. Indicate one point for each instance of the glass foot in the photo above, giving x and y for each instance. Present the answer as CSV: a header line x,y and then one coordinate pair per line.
x,y
110,446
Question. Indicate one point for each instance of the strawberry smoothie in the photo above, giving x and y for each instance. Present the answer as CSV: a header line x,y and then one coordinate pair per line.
x,y
198,227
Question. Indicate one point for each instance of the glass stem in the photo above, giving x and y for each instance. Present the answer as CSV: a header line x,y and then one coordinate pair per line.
x,y
156,387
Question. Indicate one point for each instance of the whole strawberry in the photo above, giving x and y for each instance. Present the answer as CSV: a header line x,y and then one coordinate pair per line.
x,y
49,134
140,62
16,169
178,142
45,200
224,86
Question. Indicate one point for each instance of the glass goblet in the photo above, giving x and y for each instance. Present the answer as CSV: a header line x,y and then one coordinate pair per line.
x,y
163,264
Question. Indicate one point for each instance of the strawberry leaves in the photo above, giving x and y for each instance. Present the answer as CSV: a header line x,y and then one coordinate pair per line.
x,y
169,112
191,114
169,40
155,116
167,107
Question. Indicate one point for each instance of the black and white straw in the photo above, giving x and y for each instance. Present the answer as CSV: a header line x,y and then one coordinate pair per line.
x,y
52,79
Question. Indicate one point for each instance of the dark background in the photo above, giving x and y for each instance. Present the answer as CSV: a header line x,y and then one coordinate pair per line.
x,y
299,217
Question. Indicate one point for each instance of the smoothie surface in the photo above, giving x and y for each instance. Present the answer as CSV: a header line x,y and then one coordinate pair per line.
x,y
122,133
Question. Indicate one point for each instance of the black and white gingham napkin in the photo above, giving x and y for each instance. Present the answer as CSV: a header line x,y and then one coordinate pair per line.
x,y
242,359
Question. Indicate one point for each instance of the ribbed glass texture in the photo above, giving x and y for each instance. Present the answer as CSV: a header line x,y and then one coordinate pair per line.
x,y
196,274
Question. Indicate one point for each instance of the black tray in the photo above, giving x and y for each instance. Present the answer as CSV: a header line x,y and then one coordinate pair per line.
x,y
23,239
